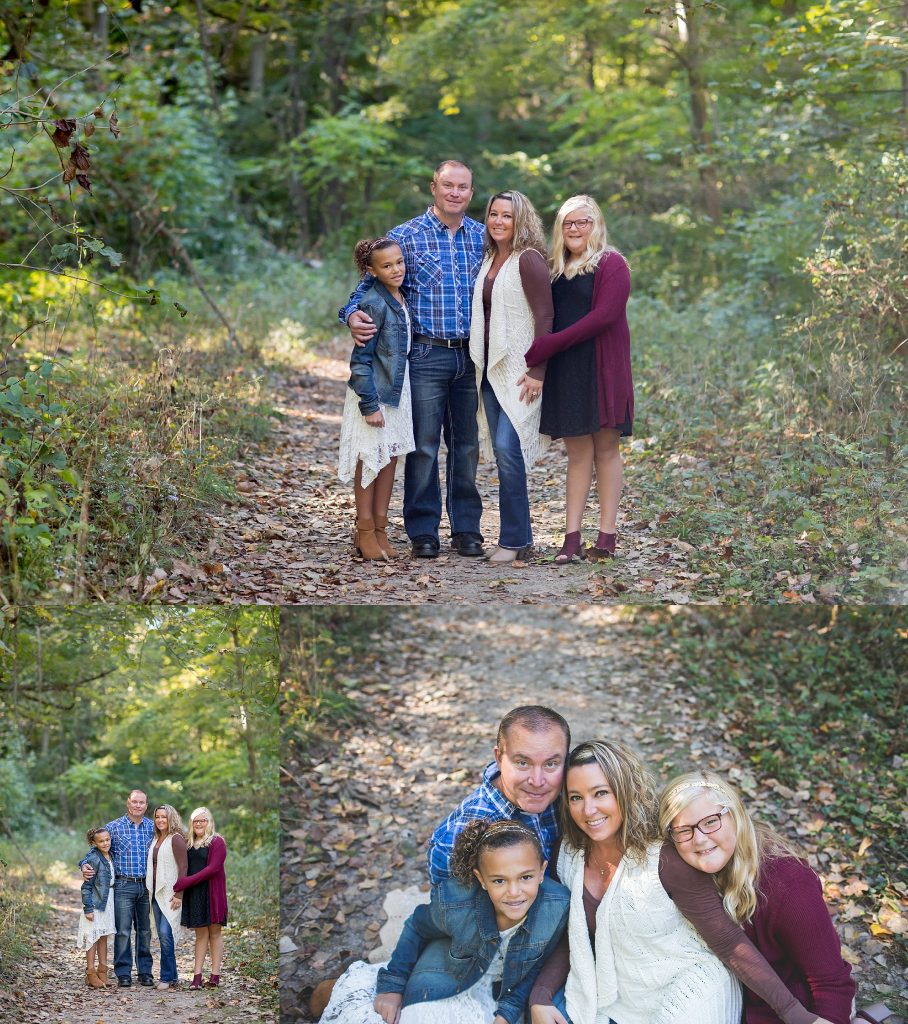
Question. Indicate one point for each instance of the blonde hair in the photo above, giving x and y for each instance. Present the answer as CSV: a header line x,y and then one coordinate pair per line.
x,y
174,821
528,232
629,779
737,881
597,245
210,833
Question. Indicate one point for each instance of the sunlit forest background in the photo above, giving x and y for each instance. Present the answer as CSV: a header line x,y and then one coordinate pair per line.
x,y
96,701
209,165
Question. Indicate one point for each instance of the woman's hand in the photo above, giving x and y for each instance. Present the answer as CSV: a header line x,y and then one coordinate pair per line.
x,y
90,917
175,902
375,419
546,1015
387,1006
530,389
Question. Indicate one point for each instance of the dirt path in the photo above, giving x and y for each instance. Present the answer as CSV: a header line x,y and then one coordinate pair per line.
x,y
288,538
52,989
359,811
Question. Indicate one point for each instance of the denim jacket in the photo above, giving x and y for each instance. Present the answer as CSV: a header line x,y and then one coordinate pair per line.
x,y
447,946
377,368
94,891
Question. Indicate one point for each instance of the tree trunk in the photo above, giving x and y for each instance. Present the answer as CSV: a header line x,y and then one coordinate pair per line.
x,y
257,65
245,723
699,108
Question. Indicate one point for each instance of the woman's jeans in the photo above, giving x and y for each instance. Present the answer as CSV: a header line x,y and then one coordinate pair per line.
x,y
165,937
515,531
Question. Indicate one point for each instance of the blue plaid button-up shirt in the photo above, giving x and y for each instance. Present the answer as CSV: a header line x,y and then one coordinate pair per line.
x,y
441,272
488,804
129,845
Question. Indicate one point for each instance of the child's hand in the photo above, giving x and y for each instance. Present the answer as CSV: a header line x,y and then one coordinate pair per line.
x,y
375,419
546,1015
362,326
88,872
387,1006
90,917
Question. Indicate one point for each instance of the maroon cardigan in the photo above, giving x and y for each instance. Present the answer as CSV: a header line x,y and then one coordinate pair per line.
x,y
792,929
213,873
607,323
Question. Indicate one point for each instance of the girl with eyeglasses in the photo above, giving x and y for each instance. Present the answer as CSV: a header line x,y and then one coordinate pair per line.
x,y
588,397
766,889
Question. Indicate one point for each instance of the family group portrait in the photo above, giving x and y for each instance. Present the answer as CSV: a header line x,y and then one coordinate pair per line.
x,y
584,300
638,849
138,768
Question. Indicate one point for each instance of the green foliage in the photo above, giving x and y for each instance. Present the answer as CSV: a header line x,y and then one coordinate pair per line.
x,y
812,694
324,660
253,891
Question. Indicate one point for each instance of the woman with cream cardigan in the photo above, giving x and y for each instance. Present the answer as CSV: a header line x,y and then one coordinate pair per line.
x,y
167,861
512,304
630,956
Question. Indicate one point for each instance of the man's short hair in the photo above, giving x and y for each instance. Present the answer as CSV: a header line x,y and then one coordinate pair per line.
x,y
451,163
142,791
533,718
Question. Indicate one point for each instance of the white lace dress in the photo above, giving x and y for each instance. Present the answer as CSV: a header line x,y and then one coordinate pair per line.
x,y
376,446
351,1000
102,923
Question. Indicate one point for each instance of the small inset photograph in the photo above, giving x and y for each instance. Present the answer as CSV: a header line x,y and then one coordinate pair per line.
x,y
573,815
138,781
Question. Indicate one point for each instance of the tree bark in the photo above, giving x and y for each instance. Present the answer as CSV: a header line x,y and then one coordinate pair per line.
x,y
699,107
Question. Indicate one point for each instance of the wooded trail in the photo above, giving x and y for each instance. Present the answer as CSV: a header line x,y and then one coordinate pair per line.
x,y
289,537
51,987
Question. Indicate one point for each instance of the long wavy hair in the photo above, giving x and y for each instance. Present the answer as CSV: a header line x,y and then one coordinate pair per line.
x,y
174,822
210,833
630,780
528,230
597,244
737,881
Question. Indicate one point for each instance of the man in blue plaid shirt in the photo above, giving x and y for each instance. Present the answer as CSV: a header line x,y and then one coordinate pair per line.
x,y
442,249
521,784
130,838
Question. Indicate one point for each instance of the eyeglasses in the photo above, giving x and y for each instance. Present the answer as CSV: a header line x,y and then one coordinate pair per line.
x,y
711,823
581,225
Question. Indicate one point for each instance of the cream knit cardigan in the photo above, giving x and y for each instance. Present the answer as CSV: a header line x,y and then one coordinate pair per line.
x,y
650,966
167,875
511,331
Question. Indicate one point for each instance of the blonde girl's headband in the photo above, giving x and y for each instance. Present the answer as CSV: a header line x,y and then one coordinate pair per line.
x,y
696,785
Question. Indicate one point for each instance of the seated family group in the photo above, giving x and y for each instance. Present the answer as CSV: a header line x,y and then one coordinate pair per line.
x,y
566,891
138,865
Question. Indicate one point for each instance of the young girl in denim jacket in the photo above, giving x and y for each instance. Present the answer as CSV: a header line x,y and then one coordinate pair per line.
x,y
473,953
96,921
377,424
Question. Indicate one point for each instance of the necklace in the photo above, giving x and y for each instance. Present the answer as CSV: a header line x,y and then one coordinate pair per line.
x,y
607,870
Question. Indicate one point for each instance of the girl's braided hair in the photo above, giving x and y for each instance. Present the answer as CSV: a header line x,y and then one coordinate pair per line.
x,y
362,251
488,835
92,832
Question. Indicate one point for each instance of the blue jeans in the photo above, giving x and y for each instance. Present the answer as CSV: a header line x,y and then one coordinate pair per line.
x,y
131,910
514,529
165,937
443,386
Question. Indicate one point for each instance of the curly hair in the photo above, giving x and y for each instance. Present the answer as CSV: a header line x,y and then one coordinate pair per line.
x,y
365,247
477,836
632,784
92,832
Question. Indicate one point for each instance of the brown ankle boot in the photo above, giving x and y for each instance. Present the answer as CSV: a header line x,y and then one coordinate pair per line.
x,y
366,541
381,526
92,979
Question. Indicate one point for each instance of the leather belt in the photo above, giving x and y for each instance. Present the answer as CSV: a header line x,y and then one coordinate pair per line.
x,y
132,878
442,342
